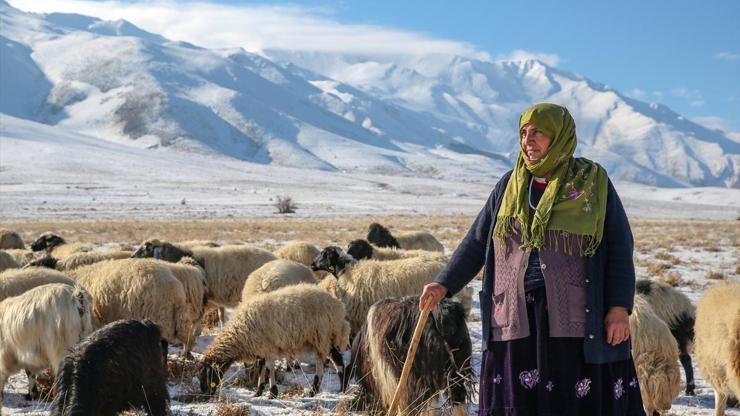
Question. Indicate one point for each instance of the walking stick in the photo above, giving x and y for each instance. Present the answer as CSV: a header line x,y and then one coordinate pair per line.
x,y
410,356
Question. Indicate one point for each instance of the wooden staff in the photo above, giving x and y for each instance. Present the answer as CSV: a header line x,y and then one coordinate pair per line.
x,y
400,389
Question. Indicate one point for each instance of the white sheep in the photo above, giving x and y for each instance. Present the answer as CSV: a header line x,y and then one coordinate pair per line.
x,y
137,289
359,284
21,256
420,240
7,262
290,322
10,240
57,247
655,353
90,257
676,310
38,327
17,281
299,251
717,341
274,275
227,268
190,244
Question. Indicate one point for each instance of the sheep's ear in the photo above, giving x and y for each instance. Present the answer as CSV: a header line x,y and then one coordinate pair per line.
x,y
158,253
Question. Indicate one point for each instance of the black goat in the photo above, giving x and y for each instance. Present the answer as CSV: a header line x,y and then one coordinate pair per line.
x,y
120,366
442,361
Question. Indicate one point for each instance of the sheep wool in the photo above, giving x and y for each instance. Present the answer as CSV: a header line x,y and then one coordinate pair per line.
x,y
717,343
299,251
85,258
14,282
10,240
137,289
361,249
290,322
274,275
359,284
21,256
7,262
39,326
655,353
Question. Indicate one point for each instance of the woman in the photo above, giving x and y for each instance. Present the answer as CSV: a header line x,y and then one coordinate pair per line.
x,y
558,281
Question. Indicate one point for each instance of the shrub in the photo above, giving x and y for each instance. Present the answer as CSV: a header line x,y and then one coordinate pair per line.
x,y
285,205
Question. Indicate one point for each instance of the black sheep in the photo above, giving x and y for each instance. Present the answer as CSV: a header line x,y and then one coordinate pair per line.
x,y
381,236
442,361
120,366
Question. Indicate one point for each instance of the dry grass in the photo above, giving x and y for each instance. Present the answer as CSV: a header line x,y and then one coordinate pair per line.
x,y
271,233
231,409
179,369
714,275
657,269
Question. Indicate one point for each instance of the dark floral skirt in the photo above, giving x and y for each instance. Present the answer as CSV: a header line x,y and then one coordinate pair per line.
x,y
542,376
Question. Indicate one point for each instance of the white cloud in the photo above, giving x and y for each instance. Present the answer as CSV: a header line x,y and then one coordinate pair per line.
x,y
521,55
726,56
637,94
257,27
694,97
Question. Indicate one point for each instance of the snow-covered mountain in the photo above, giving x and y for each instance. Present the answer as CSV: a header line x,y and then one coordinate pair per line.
x,y
435,116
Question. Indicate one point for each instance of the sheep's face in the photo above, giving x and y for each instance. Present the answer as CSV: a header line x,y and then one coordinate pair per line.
x,y
47,241
331,259
360,249
209,378
380,236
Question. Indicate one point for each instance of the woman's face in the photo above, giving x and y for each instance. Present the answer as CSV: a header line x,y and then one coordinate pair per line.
x,y
535,144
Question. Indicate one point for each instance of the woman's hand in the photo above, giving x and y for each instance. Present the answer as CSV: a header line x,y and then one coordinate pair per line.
x,y
617,325
434,290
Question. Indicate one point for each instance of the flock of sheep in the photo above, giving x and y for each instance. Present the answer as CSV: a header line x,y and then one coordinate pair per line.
x,y
290,303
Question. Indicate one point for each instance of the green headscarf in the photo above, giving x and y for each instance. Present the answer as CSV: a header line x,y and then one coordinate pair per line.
x,y
574,200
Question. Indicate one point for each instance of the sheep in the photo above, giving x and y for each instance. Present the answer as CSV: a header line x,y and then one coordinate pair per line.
x,y
227,268
289,322
442,360
190,244
361,249
120,366
57,246
421,240
22,257
7,262
676,310
17,281
276,274
299,251
655,354
192,277
10,240
359,284
137,289
39,326
717,342
90,257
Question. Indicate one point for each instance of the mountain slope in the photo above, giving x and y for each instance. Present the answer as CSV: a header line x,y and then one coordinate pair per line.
x,y
437,116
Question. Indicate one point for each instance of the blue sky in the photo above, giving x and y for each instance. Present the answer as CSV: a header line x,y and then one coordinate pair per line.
x,y
685,54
